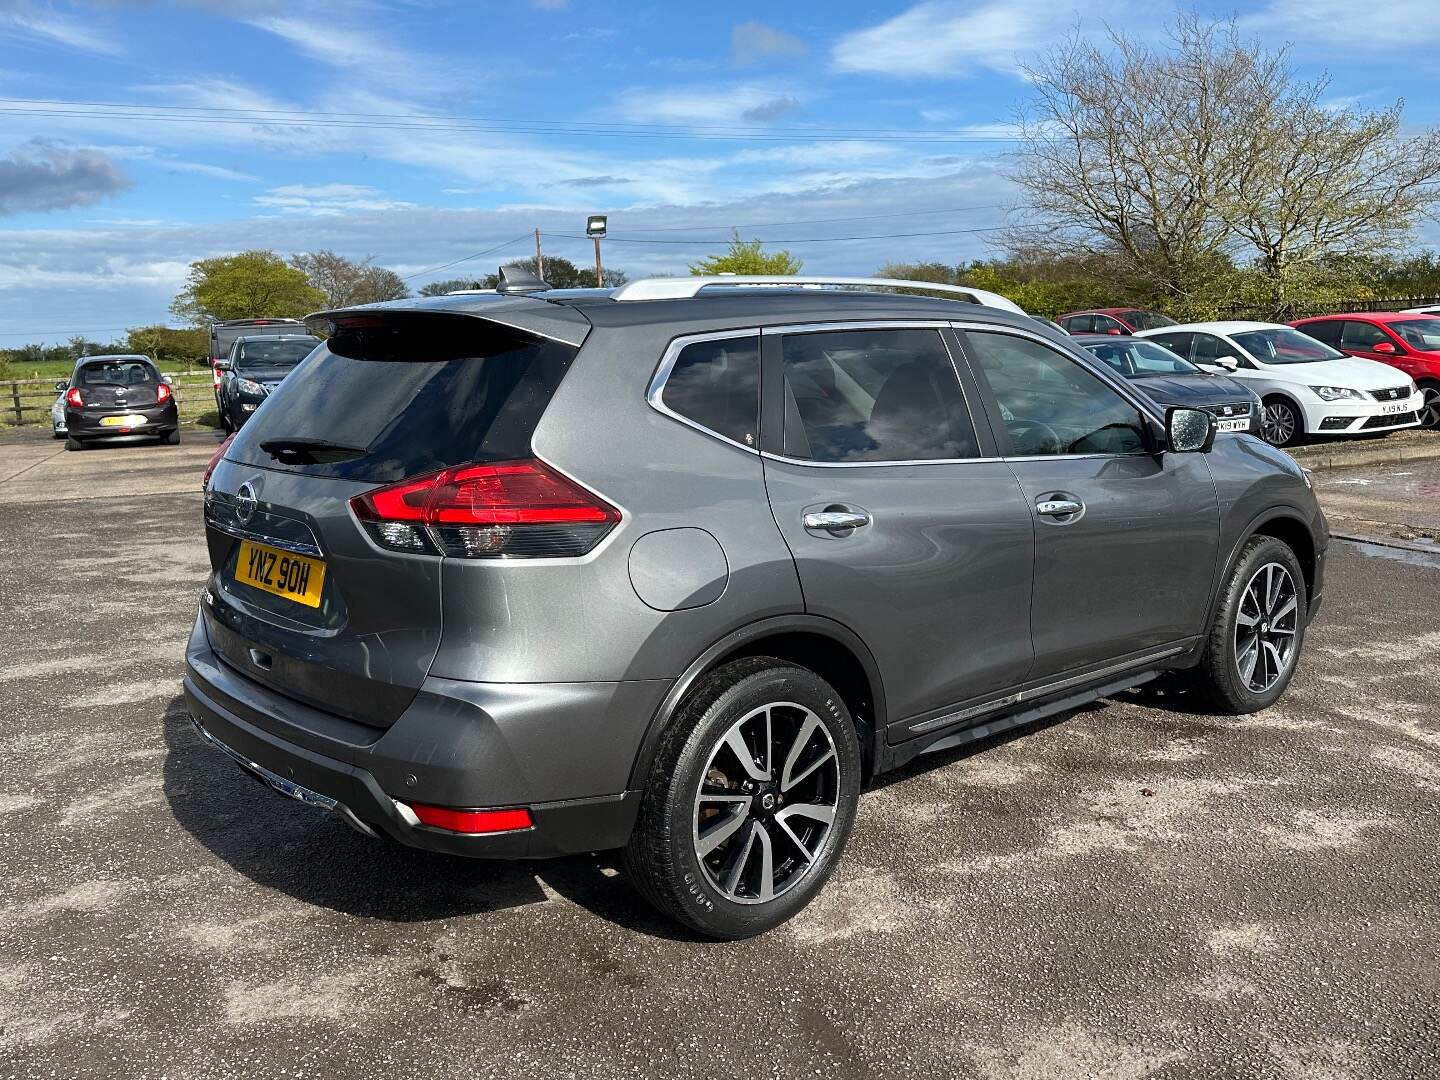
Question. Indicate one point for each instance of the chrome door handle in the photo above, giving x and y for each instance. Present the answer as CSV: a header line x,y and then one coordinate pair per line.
x,y
1058,507
836,521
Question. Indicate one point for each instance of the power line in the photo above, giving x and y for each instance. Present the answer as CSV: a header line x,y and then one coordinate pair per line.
x,y
467,258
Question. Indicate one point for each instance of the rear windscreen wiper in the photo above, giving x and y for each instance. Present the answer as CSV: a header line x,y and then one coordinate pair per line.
x,y
310,451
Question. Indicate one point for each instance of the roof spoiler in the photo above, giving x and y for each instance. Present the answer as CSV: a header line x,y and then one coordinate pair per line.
x,y
457,317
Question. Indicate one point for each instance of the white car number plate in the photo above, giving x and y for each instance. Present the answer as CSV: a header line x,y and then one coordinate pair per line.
x,y
1233,425
1394,407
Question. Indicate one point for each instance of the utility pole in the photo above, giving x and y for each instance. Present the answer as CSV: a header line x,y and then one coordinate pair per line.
x,y
595,229
539,258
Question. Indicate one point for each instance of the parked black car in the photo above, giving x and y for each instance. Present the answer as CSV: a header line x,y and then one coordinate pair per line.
x,y
119,399
1169,379
256,366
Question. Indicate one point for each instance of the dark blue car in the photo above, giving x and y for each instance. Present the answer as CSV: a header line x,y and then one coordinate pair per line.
x,y
1169,379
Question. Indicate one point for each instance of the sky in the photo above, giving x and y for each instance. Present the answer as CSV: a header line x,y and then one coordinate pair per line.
x,y
137,136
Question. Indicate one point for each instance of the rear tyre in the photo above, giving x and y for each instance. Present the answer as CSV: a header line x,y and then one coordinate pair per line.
x,y
1258,632
173,438
225,423
1281,422
73,444
1430,409
749,801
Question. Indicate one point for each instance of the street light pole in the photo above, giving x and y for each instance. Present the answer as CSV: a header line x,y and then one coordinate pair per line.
x,y
539,258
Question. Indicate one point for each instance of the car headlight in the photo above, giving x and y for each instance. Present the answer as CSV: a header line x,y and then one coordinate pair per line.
x,y
246,386
1337,393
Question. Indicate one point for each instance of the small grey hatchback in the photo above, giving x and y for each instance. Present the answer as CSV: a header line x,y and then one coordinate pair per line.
x,y
678,568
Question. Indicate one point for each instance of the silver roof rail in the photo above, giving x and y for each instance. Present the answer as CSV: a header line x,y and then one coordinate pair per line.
x,y
681,288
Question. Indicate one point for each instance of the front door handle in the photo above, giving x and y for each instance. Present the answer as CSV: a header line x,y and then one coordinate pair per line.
x,y
1058,507
836,521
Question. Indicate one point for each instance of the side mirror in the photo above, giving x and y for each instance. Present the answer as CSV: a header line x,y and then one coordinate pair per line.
x,y
61,387
1385,348
1229,363
1190,431
222,365
167,380
1115,331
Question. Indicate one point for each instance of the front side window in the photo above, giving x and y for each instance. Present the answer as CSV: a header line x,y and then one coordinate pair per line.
x,y
1050,404
1104,324
1176,343
873,395
1285,345
1147,320
1421,334
716,384
1357,335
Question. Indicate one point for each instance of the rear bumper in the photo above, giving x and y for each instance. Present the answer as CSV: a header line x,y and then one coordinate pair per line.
x,y
446,751
159,421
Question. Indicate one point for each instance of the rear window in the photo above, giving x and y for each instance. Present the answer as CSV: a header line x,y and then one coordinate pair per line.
x,y
716,384
118,373
276,353
411,397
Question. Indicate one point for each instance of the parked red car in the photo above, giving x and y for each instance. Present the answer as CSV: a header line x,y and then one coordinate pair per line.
x,y
1410,342
1113,320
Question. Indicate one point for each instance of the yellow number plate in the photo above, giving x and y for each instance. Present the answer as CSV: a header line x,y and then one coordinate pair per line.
x,y
295,577
121,421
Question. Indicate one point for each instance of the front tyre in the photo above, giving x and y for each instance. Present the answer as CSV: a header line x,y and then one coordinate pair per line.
x,y
749,801
1281,423
1259,629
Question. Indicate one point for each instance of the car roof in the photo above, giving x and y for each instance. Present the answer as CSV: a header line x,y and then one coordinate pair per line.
x,y
568,315
1369,316
1232,327
1104,339
1103,311
100,357
307,336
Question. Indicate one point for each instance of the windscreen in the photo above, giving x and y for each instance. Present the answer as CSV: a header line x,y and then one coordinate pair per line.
x,y
412,397
1282,345
279,353
1422,334
118,373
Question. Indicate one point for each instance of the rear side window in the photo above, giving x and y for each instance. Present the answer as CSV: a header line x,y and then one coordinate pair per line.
x,y
716,384
417,395
1327,331
1176,343
1357,335
1079,324
873,395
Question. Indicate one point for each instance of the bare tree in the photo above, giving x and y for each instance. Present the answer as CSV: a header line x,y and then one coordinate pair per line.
x,y
345,281
1173,163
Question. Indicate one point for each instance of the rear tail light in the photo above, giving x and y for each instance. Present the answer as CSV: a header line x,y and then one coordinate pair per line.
x,y
508,509
162,394
472,821
73,398
215,372
215,460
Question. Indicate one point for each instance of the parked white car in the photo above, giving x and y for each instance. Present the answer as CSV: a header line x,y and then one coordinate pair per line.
x,y
1307,387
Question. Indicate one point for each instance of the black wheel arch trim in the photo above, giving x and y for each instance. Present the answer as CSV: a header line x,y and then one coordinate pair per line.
x,y
1252,529
739,638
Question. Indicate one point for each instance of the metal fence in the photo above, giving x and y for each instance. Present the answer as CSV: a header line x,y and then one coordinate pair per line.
x,y
1336,307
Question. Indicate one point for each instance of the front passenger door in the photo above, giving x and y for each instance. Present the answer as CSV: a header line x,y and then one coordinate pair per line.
x,y
1125,538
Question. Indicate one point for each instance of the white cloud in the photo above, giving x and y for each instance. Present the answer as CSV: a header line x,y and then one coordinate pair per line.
x,y
27,21
326,199
716,104
754,42
1345,26
953,38
367,53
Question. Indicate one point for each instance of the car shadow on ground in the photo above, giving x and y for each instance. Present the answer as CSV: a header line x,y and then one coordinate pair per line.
x,y
315,858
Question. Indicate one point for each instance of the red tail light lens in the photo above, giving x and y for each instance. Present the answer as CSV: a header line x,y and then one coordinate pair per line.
x,y
473,821
507,509
162,394
73,398
215,460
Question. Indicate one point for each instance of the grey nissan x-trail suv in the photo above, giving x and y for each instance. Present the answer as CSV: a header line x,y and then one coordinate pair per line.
x,y
678,568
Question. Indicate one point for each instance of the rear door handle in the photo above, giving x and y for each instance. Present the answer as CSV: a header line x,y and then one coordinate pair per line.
x,y
836,521
1058,507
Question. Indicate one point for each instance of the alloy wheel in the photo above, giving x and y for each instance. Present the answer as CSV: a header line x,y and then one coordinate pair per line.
x,y
1430,407
1278,424
1265,627
767,802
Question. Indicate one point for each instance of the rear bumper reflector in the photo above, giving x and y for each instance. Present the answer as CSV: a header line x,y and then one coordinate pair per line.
x,y
472,821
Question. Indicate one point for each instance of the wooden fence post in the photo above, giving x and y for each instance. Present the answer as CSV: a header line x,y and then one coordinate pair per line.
x,y
15,399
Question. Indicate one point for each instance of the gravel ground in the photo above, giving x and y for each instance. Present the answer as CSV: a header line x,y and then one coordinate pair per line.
x,y
1133,890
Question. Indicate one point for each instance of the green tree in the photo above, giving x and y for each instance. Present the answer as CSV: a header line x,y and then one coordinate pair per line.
x,y
561,273
169,347
747,257
252,284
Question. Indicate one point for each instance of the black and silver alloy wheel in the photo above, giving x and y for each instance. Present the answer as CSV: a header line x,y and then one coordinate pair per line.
x,y
1265,627
748,799
1278,423
1430,407
767,802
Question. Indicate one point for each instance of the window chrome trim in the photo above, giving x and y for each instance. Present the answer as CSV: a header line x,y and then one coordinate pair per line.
x,y
654,394
937,325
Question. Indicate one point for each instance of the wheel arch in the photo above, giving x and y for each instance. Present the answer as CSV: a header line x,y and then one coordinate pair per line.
x,y
830,649
1288,399
1285,524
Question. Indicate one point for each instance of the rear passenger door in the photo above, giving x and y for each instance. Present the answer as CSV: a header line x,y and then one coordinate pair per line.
x,y
904,524
1125,538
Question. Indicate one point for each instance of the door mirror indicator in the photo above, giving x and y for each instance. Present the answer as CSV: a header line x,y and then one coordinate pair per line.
x,y
1190,431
